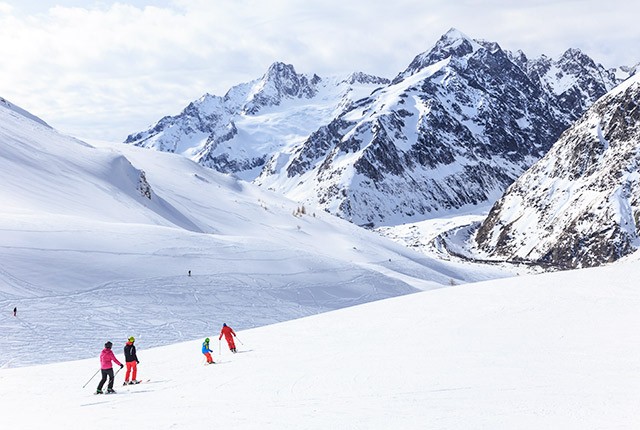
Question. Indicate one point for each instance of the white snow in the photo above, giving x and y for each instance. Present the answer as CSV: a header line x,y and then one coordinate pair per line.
x,y
545,351
338,327
557,81
83,248
632,80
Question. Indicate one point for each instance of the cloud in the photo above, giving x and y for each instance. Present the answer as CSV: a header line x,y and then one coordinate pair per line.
x,y
113,69
5,8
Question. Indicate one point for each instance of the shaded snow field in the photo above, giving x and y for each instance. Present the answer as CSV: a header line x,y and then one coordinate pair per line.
x,y
111,284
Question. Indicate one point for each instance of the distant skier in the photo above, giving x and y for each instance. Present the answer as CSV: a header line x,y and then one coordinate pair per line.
x,y
189,272
15,312
206,351
131,358
106,357
229,334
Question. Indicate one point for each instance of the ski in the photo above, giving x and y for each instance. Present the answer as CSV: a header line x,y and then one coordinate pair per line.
x,y
136,383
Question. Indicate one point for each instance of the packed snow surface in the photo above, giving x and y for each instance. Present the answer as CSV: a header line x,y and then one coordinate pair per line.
x,y
553,351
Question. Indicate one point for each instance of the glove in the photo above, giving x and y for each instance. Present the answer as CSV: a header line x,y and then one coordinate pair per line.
x,y
121,366
137,361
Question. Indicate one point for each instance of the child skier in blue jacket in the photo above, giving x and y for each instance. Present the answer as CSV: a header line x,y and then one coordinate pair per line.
x,y
206,351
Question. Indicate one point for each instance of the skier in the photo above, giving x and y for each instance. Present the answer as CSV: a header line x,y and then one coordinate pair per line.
x,y
206,351
15,312
189,272
132,361
229,334
106,357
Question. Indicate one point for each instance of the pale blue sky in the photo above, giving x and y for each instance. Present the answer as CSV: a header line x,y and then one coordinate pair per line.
x,y
31,7
104,69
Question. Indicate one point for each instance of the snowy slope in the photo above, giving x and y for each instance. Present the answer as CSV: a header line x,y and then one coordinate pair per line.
x,y
101,238
555,351
6,104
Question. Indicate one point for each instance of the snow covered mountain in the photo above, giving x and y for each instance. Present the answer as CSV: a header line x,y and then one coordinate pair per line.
x,y
454,129
237,133
579,206
102,237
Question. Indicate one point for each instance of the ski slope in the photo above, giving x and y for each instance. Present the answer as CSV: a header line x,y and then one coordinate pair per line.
x,y
553,351
98,240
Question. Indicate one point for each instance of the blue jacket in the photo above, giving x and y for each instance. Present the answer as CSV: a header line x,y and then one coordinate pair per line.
x,y
205,347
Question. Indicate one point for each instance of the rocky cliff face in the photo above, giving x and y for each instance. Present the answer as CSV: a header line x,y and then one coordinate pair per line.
x,y
455,128
575,81
579,206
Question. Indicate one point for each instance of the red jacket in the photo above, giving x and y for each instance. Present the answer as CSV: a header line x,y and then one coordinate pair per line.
x,y
106,356
227,332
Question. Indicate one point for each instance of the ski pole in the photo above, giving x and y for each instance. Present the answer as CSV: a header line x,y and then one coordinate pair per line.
x,y
117,371
94,375
219,348
239,340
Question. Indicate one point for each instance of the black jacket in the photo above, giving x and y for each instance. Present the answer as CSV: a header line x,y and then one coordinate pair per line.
x,y
130,352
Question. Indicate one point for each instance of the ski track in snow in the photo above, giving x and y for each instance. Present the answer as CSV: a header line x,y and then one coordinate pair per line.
x,y
552,351
158,311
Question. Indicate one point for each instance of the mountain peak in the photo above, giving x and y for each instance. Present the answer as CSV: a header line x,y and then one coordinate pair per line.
x,y
365,78
285,74
453,43
453,35
630,70
575,55
280,81
279,69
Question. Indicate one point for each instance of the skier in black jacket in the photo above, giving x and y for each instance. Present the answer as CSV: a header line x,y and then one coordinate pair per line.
x,y
131,358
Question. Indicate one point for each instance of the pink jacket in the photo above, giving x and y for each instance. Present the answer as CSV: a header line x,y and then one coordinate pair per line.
x,y
106,356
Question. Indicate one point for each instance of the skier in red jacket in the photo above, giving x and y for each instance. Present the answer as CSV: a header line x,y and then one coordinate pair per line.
x,y
229,334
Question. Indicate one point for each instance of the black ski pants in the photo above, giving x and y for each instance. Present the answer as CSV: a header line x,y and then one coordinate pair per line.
x,y
106,373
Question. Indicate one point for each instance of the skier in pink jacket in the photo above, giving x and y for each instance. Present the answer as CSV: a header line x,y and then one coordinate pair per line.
x,y
106,357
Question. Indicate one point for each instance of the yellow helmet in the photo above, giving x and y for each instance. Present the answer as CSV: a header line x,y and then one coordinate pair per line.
x,y
132,339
